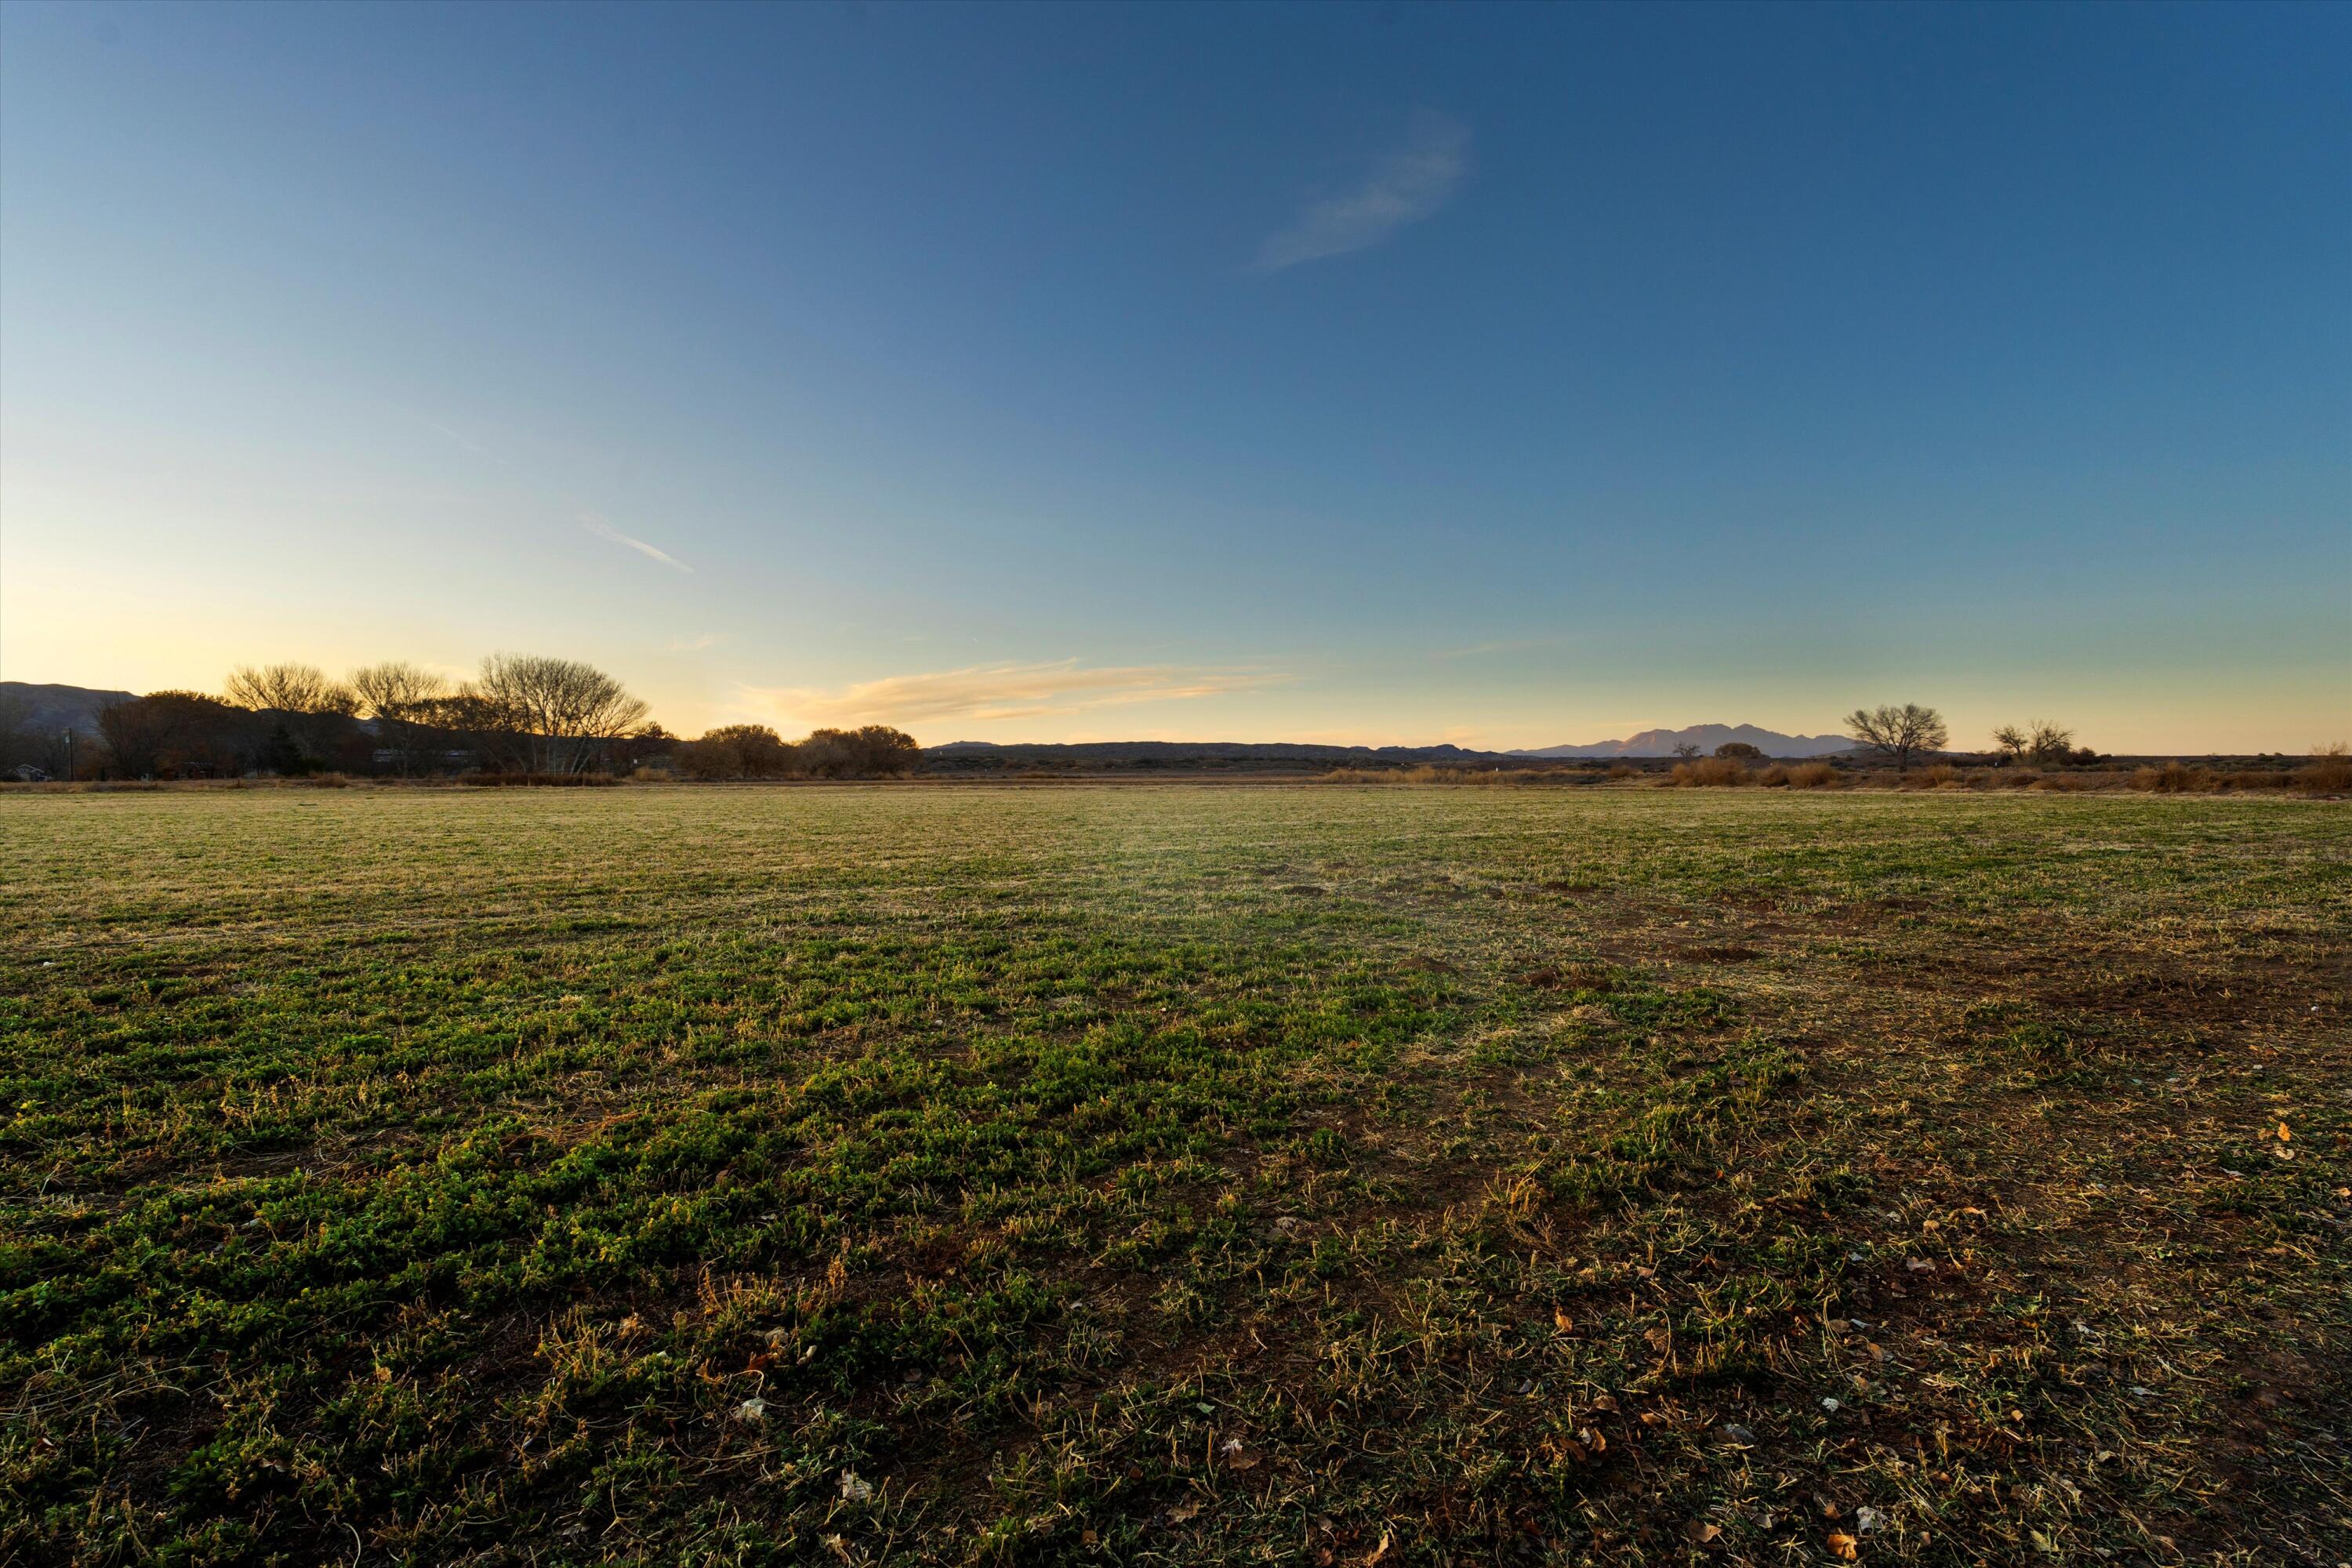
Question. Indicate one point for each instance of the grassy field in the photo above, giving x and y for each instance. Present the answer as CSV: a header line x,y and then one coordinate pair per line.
x,y
1174,1176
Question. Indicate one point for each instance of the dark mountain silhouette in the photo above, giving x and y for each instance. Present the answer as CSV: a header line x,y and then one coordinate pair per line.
x,y
47,710
1707,738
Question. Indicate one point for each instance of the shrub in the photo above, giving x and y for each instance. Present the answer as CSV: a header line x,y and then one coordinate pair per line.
x,y
1940,775
857,753
1710,772
736,751
1739,749
1624,771
2172,778
1812,775
2329,772
1774,777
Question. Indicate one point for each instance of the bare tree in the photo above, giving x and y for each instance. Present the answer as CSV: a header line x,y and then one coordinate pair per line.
x,y
1687,750
2050,742
1898,732
319,712
559,712
2012,741
399,698
291,688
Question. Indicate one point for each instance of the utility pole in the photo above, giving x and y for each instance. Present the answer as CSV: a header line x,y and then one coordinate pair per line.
x,y
69,756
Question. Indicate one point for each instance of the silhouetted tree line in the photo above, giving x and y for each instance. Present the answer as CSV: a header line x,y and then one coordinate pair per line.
x,y
756,752
524,715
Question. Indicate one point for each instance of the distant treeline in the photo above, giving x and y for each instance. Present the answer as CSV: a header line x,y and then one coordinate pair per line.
x,y
756,752
523,715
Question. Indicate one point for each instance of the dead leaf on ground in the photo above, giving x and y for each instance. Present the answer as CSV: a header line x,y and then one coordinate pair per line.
x,y
1844,1545
1562,1447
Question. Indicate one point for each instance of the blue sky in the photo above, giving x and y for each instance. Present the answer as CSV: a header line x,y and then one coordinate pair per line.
x,y
1369,373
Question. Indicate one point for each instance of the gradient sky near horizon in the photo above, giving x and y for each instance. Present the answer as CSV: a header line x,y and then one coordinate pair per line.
x,y
1359,373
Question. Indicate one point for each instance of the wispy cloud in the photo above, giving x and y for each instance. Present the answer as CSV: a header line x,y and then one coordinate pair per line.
x,y
443,430
1004,692
604,530
694,644
1406,186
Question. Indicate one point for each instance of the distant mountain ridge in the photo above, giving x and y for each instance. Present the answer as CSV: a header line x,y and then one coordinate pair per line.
x,y
45,709
1707,738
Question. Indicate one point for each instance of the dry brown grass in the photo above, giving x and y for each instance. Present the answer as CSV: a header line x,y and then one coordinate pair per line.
x,y
2324,775
1936,775
1710,772
1812,775
537,781
1477,778
2329,772
2174,778
151,787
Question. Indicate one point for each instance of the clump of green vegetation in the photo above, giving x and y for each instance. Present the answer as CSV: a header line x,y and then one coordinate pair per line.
x,y
1169,1174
